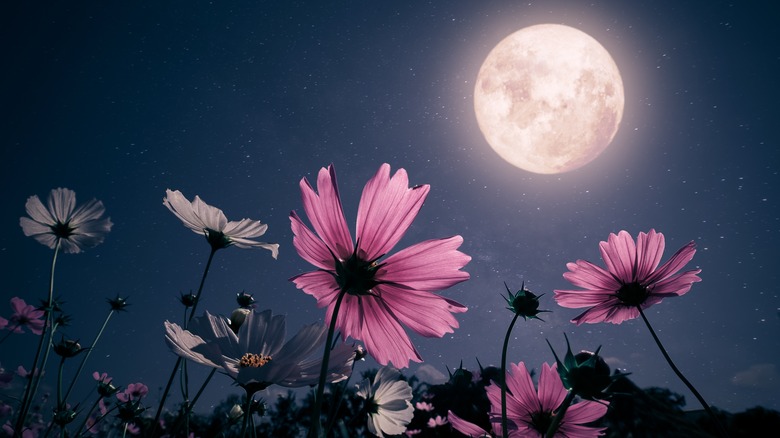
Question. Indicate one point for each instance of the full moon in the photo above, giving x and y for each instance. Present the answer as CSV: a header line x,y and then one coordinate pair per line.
x,y
549,98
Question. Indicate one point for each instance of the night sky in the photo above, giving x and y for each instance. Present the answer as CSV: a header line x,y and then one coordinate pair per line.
x,y
236,103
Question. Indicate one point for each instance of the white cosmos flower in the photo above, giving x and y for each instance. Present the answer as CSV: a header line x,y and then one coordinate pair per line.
x,y
75,228
258,356
211,222
389,402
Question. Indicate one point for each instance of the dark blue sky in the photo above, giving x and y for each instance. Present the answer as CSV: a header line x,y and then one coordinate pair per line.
x,y
237,103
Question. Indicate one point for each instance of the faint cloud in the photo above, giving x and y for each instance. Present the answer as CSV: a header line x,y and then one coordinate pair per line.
x,y
758,375
427,373
615,362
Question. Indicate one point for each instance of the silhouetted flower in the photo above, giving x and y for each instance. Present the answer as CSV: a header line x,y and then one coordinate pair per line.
x,y
75,228
118,304
25,315
133,393
188,300
585,373
378,296
63,417
245,300
258,356
523,303
211,222
67,348
388,401
104,386
632,278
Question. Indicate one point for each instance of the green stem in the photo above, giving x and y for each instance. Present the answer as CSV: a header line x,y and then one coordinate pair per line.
x,y
504,425
179,359
690,386
86,417
314,432
559,414
86,355
60,399
32,383
247,413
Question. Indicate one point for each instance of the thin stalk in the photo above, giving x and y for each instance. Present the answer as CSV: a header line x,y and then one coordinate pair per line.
x,y
10,332
86,355
247,413
32,383
558,417
86,417
504,426
179,359
314,432
690,386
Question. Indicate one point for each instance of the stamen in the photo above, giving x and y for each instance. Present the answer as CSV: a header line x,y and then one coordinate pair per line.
x,y
251,360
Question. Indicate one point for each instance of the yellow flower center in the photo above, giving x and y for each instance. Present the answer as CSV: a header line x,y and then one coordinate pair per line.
x,y
253,360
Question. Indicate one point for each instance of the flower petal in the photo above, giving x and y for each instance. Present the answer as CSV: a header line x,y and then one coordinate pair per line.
x,y
387,208
649,249
585,274
61,204
405,304
430,265
465,427
38,212
325,212
619,253
310,247
385,339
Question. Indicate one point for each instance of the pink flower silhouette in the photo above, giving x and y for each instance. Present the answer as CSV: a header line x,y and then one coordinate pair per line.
x,y
25,315
632,278
379,296
133,392
529,412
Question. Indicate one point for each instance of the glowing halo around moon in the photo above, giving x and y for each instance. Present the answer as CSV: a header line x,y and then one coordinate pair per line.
x,y
549,98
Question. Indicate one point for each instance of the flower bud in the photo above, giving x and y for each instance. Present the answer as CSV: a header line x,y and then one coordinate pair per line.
x,y
235,414
245,300
523,303
67,348
237,318
188,300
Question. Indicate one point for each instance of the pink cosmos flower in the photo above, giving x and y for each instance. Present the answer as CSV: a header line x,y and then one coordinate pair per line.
x,y
423,406
437,421
133,392
25,315
73,227
379,296
529,412
632,278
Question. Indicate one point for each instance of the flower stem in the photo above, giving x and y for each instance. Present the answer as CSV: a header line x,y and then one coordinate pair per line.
x,y
177,365
247,413
10,332
32,383
558,417
314,432
504,426
690,386
86,355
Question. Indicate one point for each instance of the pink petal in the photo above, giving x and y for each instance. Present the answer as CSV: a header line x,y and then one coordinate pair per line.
x,y
435,321
674,264
310,247
678,284
325,212
465,427
619,253
650,248
551,390
383,335
575,299
430,265
589,276
606,312
387,208
319,284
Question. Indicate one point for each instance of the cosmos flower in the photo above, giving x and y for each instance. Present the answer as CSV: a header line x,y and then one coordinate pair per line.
x,y
133,393
632,278
257,355
530,412
378,296
25,315
75,228
211,222
388,401
437,421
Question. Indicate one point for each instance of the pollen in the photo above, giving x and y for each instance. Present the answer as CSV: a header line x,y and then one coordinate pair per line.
x,y
251,360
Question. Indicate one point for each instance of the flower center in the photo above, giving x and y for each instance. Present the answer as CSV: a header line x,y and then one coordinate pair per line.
x,y
632,294
217,239
251,360
356,276
63,231
541,421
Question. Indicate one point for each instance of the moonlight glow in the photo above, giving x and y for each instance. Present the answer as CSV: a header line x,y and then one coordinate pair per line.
x,y
549,98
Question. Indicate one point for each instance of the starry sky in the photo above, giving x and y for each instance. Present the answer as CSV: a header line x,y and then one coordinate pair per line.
x,y
236,103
